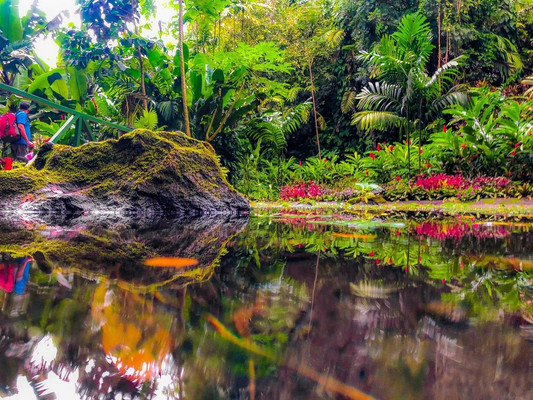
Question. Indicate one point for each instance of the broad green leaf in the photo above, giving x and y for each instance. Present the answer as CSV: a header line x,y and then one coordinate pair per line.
x,y
10,22
78,83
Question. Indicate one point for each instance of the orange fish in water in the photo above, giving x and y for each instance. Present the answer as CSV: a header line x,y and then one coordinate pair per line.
x,y
171,262
354,235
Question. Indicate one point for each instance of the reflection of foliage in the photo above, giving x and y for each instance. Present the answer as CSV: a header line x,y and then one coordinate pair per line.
x,y
135,339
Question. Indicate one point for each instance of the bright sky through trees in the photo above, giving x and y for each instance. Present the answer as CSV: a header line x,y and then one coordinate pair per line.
x,y
47,49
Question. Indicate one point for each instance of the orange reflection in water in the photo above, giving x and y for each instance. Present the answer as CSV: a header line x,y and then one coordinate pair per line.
x,y
134,337
171,262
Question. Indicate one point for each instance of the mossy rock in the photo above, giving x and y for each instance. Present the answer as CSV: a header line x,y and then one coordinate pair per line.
x,y
141,173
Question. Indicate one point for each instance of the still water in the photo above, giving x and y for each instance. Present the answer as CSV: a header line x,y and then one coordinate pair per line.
x,y
286,306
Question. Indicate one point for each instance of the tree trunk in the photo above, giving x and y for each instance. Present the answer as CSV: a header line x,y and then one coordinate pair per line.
x,y
141,65
182,68
310,61
439,32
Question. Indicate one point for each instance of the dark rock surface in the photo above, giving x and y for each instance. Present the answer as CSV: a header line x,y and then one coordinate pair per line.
x,y
142,174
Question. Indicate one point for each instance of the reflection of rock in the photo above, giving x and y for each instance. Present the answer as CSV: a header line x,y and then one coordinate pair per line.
x,y
142,173
119,250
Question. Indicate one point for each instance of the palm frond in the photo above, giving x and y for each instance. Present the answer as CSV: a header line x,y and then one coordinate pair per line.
x,y
348,101
298,116
266,131
379,120
450,99
528,81
447,72
147,120
377,96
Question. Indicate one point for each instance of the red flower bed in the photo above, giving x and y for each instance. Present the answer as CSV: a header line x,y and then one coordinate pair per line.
x,y
300,190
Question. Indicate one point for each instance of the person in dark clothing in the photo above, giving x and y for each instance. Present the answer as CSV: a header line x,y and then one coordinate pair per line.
x,y
19,149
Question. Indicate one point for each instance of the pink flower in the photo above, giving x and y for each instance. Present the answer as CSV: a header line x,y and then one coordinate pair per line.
x,y
325,159
300,163
421,151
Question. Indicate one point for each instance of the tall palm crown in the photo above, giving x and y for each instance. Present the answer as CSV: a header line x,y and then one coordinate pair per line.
x,y
404,95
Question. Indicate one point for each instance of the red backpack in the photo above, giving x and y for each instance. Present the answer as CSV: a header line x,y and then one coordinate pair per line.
x,y
9,130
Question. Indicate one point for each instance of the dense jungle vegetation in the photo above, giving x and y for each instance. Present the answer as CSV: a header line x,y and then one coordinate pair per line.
x,y
323,99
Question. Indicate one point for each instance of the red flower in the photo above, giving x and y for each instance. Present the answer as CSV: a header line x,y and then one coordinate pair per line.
x,y
513,153
428,165
391,147
372,156
371,253
398,178
516,145
300,163
444,129
397,233
366,172
421,150
325,159
378,148
463,145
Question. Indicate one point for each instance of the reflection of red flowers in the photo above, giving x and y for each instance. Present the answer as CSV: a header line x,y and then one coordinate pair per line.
x,y
372,156
459,230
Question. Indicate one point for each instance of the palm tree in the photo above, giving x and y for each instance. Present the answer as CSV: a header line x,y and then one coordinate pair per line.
x,y
404,96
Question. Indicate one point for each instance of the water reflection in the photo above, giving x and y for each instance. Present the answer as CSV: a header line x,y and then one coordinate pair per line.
x,y
327,307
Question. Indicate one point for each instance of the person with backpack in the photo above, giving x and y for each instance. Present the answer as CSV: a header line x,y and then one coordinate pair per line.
x,y
19,148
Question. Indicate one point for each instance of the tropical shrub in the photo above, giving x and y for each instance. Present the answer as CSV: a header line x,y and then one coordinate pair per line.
x,y
442,186
494,137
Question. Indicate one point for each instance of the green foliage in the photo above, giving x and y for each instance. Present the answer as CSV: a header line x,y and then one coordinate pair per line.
x,y
494,136
147,120
405,96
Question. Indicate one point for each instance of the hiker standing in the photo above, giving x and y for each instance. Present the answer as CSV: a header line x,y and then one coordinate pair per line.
x,y
19,149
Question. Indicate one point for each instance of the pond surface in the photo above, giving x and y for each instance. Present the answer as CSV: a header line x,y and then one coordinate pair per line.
x,y
290,306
